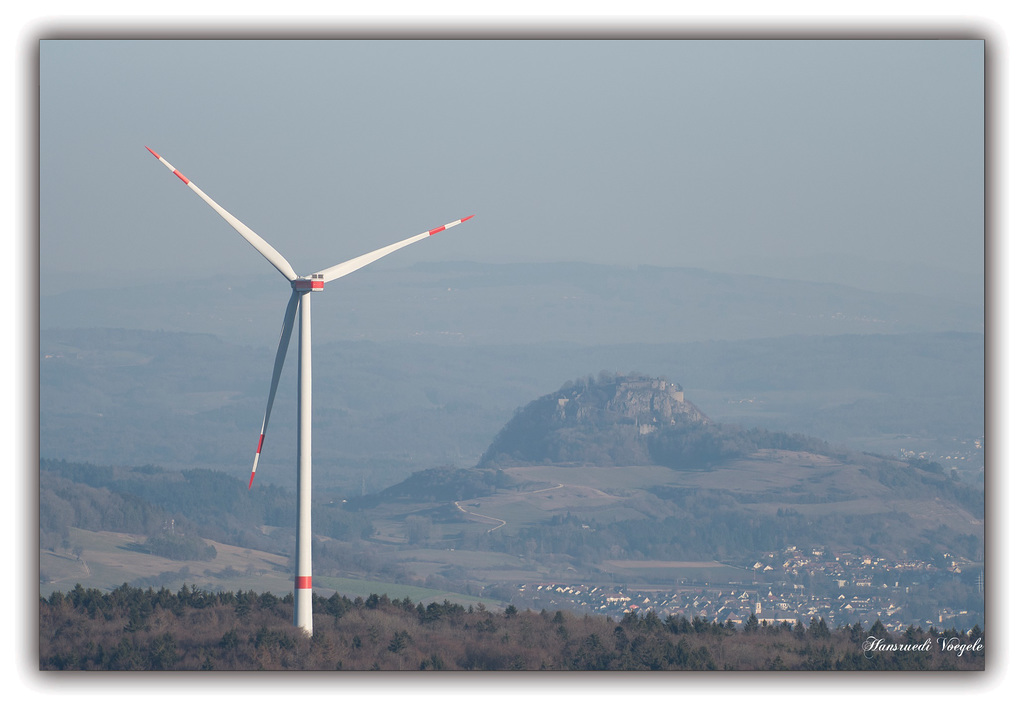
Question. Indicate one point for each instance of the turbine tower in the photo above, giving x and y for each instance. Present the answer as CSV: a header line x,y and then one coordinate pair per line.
x,y
302,287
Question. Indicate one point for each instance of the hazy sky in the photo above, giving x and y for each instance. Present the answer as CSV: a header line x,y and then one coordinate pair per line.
x,y
685,153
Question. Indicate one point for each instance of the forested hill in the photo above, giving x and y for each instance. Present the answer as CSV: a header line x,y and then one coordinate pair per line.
x,y
143,500
443,484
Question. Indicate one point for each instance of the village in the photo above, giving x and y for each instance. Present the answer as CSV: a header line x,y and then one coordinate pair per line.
x,y
792,586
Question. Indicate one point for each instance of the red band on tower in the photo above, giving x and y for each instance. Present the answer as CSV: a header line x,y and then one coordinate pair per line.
x,y
303,582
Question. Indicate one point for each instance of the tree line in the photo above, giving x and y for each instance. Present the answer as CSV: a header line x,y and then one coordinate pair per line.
x,y
141,629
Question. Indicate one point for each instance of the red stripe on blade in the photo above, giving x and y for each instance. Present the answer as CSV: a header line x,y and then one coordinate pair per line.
x,y
435,231
251,477
153,152
259,446
303,582
183,178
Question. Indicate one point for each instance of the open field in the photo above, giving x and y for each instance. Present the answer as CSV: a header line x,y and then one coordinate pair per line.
x,y
709,571
810,484
353,588
548,491
660,564
481,567
108,561
776,471
605,478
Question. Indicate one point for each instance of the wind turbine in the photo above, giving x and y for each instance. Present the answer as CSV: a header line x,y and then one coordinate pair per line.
x,y
299,302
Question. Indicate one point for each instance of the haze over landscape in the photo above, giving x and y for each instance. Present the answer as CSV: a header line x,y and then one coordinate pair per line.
x,y
856,163
789,233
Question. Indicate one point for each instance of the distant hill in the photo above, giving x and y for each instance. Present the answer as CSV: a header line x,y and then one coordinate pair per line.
x,y
504,304
630,460
438,484
634,420
605,421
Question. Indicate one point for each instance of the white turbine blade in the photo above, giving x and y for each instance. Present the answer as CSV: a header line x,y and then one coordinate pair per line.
x,y
282,350
347,267
269,253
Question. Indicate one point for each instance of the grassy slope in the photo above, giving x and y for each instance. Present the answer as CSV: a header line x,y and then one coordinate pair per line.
x,y
107,561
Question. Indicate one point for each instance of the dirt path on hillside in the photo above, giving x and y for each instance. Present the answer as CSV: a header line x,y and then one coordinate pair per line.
x,y
479,515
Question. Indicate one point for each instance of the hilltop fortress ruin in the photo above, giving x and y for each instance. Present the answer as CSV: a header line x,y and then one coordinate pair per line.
x,y
651,403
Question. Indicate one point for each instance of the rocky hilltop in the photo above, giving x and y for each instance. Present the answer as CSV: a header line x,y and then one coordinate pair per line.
x,y
650,402
610,420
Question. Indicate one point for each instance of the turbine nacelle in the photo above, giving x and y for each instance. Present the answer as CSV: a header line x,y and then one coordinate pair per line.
x,y
309,283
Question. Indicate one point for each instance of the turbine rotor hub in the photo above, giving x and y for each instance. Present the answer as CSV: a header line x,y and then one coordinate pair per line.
x,y
309,283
